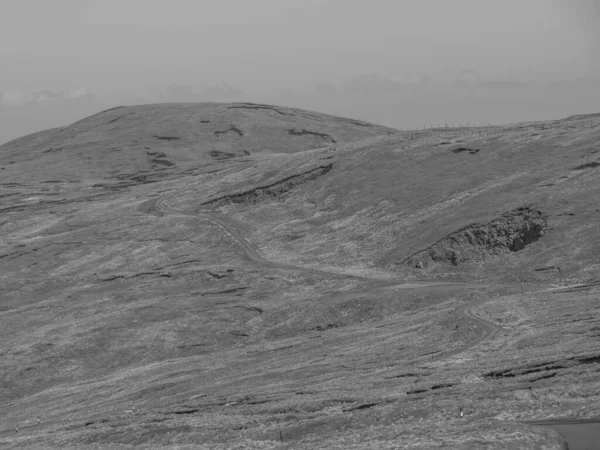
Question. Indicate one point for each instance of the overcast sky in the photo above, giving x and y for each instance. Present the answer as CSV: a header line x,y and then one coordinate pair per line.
x,y
260,44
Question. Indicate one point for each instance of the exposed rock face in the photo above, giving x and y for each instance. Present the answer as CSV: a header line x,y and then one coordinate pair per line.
x,y
471,151
275,190
509,233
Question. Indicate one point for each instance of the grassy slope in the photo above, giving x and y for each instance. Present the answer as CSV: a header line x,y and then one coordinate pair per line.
x,y
105,306
117,142
386,200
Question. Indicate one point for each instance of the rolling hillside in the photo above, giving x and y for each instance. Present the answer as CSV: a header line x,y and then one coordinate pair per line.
x,y
255,276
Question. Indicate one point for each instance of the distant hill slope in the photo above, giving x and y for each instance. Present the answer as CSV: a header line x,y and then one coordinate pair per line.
x,y
154,137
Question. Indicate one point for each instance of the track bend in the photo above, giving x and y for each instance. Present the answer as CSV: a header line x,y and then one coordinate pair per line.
x,y
160,206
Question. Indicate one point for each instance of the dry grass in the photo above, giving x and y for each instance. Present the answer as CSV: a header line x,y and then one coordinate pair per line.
x,y
112,295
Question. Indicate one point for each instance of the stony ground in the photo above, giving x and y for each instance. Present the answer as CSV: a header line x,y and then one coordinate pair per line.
x,y
249,276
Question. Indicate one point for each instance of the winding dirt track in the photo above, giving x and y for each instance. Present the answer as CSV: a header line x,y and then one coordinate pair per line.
x,y
160,206
488,329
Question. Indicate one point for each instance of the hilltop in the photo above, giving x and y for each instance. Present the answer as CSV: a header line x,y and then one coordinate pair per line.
x,y
147,140
242,274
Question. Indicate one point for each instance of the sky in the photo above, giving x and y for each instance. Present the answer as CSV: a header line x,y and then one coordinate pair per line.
x,y
120,47
261,43
583,16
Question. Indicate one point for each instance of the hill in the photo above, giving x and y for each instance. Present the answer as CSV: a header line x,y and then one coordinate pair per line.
x,y
152,140
285,275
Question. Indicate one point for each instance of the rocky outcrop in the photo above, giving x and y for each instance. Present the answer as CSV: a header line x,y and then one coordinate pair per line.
x,y
510,233
275,190
471,151
303,132
232,128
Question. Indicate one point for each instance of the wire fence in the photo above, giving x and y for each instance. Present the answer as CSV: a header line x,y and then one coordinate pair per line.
x,y
450,131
